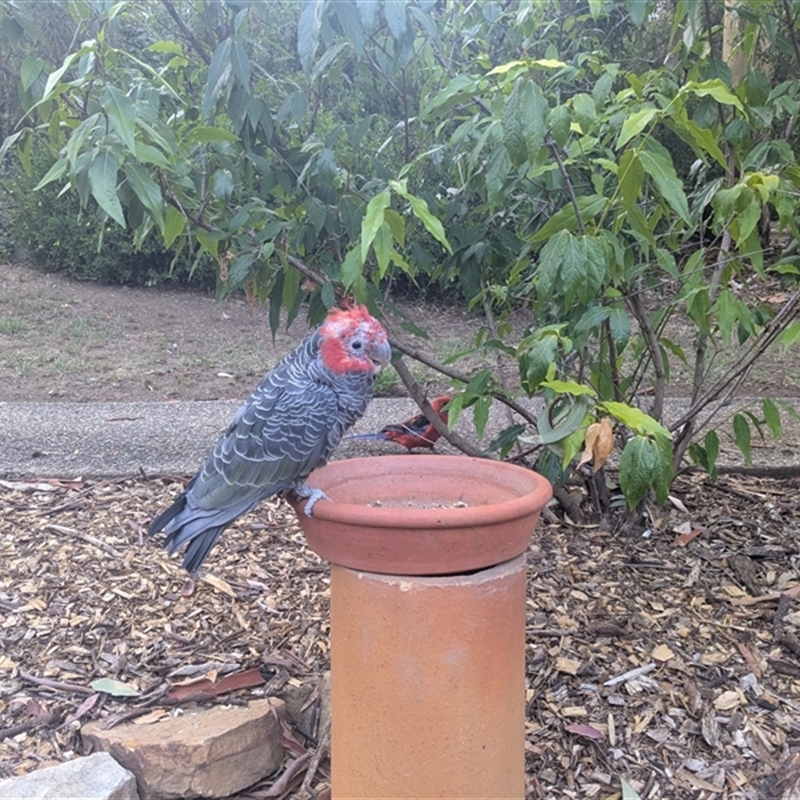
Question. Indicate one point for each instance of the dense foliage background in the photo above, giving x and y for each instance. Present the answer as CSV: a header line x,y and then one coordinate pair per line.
x,y
601,167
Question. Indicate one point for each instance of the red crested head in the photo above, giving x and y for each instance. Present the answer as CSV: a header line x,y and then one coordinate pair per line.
x,y
353,341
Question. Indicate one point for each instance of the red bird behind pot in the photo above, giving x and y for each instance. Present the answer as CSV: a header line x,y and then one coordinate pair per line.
x,y
414,432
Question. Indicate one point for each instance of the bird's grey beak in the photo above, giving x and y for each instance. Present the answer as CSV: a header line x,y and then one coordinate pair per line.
x,y
381,356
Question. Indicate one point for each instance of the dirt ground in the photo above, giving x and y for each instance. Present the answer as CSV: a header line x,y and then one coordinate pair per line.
x,y
664,665
67,340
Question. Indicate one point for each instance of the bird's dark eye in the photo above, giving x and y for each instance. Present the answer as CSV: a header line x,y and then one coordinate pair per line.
x,y
356,345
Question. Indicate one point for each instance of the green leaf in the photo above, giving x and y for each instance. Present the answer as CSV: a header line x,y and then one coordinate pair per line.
x,y
103,183
219,75
771,416
564,219
562,418
560,119
30,69
210,243
550,259
569,387
497,168
657,163
727,309
513,133
373,219
291,286
328,295
397,225
53,174
635,124
642,466
585,111
583,269
209,133
636,466
462,88
635,419
166,46
147,190
395,13
122,113
349,18
505,440
382,245
535,360
701,140
742,436
54,77
352,266
308,29
637,9
174,224
533,119
620,326
749,215
711,442
714,88
419,208
523,121
241,67
628,792
114,687
480,414
222,184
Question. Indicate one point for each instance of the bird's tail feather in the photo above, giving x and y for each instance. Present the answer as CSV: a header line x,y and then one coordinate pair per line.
x,y
199,548
165,517
372,436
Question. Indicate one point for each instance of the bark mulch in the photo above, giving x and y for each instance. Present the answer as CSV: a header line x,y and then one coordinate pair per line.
x,y
658,666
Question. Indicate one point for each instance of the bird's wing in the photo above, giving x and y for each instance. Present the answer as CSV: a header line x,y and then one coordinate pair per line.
x,y
277,437
414,425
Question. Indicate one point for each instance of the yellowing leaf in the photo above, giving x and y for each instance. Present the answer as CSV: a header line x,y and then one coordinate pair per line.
x,y
598,444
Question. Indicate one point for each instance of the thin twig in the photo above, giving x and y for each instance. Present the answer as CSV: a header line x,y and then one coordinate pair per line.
x,y
568,182
58,685
501,375
28,725
654,348
766,337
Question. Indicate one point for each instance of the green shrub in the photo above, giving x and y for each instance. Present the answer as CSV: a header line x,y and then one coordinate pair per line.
x,y
59,237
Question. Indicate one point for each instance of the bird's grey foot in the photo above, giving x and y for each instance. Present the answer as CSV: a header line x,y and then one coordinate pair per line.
x,y
313,495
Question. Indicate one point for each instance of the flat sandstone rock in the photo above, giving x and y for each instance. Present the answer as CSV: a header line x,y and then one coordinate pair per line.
x,y
201,752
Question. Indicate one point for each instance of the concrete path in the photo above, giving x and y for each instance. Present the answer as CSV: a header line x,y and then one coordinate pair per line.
x,y
111,440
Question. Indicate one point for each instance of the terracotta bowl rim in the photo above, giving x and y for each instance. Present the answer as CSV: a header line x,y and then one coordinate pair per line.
x,y
417,518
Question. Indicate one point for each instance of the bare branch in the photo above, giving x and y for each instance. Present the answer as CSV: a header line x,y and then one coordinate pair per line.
x,y
416,391
653,347
190,37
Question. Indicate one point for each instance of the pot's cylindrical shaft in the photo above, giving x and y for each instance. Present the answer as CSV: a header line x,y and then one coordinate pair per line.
x,y
427,680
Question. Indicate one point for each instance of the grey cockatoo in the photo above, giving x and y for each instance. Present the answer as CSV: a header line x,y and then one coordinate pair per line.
x,y
288,426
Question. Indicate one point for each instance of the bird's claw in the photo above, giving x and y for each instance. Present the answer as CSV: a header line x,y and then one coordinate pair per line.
x,y
313,495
